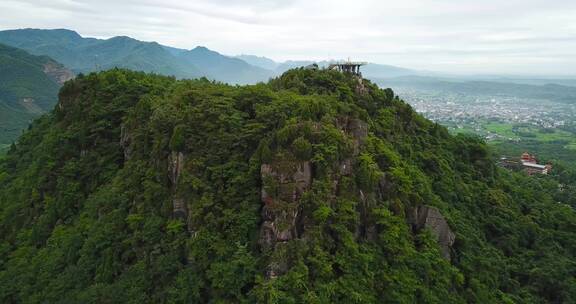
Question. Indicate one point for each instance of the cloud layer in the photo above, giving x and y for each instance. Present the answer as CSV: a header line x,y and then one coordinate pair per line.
x,y
459,36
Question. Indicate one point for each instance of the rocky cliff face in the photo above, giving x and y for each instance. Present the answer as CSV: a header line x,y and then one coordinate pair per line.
x,y
426,217
176,162
125,141
285,181
284,185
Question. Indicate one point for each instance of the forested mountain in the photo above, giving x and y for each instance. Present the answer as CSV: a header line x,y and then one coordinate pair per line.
x,y
85,55
28,87
313,188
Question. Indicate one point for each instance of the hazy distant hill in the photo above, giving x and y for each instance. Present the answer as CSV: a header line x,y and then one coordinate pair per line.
x,y
535,81
28,87
224,68
291,64
90,54
555,92
262,62
371,70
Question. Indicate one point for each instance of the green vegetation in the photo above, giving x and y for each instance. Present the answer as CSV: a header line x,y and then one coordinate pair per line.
x,y
502,129
518,132
25,91
87,200
550,145
555,146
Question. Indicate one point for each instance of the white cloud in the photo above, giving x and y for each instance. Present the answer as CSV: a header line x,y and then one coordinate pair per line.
x,y
513,36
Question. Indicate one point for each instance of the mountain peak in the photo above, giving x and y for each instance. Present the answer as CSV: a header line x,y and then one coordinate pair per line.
x,y
122,38
64,31
203,49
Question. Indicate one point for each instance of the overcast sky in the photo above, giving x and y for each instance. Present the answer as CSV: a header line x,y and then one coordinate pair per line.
x,y
459,36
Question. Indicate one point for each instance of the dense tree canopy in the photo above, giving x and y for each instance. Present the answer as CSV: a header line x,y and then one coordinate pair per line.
x,y
87,200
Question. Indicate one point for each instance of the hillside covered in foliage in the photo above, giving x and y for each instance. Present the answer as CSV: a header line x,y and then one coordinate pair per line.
x,y
313,188
28,87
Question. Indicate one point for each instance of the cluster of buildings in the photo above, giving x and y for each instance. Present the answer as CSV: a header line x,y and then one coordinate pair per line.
x,y
527,163
450,108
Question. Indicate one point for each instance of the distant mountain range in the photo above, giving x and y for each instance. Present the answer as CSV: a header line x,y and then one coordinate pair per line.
x,y
83,55
535,89
263,62
28,87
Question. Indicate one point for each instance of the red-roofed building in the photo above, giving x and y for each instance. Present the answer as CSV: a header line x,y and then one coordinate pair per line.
x,y
531,165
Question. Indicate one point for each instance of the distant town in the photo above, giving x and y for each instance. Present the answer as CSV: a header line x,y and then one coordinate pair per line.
x,y
483,114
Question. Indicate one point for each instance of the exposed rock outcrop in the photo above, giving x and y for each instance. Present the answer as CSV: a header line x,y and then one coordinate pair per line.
x,y
285,181
360,87
180,209
358,131
423,217
176,162
284,184
356,128
57,72
175,166
125,141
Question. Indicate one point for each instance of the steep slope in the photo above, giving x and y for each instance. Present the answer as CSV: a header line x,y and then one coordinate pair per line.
x,y
315,187
224,68
28,87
